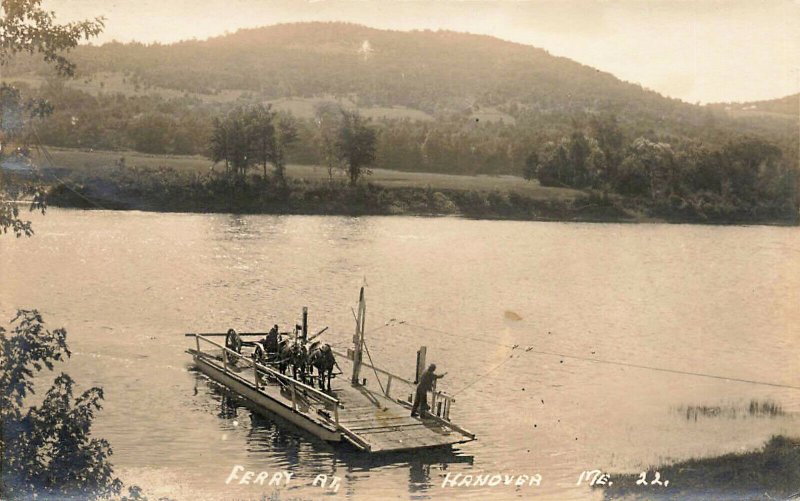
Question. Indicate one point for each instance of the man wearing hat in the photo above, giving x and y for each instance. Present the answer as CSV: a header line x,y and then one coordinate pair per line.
x,y
425,385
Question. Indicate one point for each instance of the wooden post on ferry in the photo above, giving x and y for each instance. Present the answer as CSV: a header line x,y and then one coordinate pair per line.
x,y
305,325
421,355
358,338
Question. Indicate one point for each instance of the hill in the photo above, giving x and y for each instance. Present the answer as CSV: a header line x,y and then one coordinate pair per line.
x,y
440,102
431,71
445,102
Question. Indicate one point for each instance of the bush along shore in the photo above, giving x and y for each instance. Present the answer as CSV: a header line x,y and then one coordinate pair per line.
x,y
770,473
167,190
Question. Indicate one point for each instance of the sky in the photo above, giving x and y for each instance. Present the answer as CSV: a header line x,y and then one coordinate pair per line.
x,y
695,50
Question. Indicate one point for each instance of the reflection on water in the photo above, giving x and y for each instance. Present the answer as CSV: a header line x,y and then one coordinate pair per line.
x,y
755,409
284,442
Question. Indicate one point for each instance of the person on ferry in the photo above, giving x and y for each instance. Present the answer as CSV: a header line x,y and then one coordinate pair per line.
x,y
426,382
272,339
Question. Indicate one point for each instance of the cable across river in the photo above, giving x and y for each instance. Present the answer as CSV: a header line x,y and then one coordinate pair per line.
x,y
530,349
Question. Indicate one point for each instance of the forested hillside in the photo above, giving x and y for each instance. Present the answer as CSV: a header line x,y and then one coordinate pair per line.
x,y
430,71
446,102
788,105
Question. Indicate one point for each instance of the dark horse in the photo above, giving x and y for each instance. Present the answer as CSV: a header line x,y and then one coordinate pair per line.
x,y
321,357
292,353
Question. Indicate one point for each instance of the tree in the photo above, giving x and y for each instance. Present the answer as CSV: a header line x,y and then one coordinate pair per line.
x,y
702,168
748,165
232,141
261,130
553,164
632,178
355,145
578,151
151,133
648,169
219,147
250,135
47,450
327,118
285,136
26,27
13,113
531,166
605,129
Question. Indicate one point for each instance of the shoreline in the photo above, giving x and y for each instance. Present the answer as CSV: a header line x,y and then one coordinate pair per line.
x,y
425,215
566,211
134,181
772,471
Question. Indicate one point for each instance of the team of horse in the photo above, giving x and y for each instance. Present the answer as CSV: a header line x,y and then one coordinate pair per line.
x,y
279,349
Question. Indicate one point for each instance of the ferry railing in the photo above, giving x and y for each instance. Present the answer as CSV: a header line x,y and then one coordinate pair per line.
x,y
441,402
292,383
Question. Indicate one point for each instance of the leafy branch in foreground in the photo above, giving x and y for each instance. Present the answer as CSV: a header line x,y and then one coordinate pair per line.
x,y
47,450
13,113
26,27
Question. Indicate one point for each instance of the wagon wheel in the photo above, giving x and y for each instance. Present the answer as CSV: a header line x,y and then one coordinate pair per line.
x,y
233,341
258,354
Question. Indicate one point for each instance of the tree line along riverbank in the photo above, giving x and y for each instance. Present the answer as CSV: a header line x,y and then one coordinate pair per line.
x,y
121,181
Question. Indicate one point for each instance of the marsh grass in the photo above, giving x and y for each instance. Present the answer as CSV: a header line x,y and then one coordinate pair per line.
x,y
755,409
770,473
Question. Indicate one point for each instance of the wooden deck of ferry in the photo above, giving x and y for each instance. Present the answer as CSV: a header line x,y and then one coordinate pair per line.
x,y
373,419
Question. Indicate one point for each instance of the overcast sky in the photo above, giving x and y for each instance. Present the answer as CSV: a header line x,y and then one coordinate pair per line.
x,y
702,50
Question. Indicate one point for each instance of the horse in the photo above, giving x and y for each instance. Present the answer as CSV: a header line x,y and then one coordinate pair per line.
x,y
285,354
300,362
321,357
292,353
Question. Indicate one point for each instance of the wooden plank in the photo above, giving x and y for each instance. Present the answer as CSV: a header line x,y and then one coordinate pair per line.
x,y
367,416
374,419
377,420
401,428
380,422
223,334
395,428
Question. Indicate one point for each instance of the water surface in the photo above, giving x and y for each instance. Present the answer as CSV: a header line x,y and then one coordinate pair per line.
x,y
716,300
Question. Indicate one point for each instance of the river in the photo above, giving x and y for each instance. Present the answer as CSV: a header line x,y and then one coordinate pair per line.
x,y
702,299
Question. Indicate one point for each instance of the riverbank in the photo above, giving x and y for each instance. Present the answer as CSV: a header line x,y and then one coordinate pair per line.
x,y
770,473
304,198
111,180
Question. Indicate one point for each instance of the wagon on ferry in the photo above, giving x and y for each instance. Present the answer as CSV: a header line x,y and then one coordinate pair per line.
x,y
371,419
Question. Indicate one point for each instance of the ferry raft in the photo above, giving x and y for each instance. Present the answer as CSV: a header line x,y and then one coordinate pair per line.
x,y
371,419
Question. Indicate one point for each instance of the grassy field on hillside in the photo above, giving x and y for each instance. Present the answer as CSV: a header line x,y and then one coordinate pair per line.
x,y
301,107
94,163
